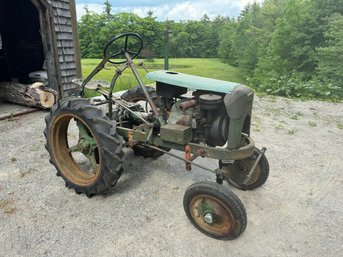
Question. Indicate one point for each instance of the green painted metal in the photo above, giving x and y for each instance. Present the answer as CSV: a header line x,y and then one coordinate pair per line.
x,y
235,130
166,49
205,207
238,106
178,134
224,153
86,144
192,82
211,152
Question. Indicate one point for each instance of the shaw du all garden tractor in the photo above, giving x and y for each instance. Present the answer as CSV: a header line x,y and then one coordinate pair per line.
x,y
199,116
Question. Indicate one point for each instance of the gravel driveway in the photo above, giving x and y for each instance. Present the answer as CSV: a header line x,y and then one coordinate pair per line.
x,y
298,212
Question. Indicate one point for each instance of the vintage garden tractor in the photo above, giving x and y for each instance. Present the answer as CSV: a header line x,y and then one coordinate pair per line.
x,y
199,116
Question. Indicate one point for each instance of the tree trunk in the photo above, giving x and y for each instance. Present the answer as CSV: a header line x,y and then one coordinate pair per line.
x,y
36,94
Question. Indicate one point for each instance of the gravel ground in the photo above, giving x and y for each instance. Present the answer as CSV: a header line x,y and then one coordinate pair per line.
x,y
298,212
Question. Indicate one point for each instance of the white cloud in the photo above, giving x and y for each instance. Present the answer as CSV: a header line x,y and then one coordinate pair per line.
x,y
184,10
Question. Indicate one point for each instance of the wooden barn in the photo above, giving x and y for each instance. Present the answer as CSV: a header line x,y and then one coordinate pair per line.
x,y
38,38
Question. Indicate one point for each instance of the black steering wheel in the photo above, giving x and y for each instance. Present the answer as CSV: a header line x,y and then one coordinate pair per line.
x,y
114,50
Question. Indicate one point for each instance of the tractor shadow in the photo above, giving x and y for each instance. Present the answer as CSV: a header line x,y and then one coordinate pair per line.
x,y
135,170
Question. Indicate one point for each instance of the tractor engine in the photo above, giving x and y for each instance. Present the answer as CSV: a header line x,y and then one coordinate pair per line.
x,y
207,113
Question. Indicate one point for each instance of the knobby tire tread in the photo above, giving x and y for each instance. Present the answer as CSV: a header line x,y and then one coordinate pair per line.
x,y
109,144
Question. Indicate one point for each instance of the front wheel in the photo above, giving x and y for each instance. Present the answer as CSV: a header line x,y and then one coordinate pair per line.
x,y
215,210
83,146
237,172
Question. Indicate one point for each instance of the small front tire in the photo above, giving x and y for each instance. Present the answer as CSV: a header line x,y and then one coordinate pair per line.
x,y
214,210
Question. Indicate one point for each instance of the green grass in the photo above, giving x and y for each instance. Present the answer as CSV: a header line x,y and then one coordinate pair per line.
x,y
312,124
212,68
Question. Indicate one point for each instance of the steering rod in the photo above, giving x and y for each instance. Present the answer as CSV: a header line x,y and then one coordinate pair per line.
x,y
141,84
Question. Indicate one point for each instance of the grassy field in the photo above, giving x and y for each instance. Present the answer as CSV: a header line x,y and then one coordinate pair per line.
x,y
212,68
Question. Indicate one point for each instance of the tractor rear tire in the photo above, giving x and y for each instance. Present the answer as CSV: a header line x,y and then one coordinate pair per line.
x,y
136,94
98,145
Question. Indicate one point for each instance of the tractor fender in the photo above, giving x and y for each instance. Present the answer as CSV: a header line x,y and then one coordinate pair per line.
x,y
239,102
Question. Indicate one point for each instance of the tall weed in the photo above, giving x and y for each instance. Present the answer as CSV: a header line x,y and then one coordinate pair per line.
x,y
294,87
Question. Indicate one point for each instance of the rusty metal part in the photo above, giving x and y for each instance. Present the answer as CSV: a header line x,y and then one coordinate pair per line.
x,y
180,158
184,106
212,215
179,116
253,168
130,135
68,165
188,156
200,152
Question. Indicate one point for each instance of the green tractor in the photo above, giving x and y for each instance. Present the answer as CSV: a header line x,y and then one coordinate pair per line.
x,y
199,116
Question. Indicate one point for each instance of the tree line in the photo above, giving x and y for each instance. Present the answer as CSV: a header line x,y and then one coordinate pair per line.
x,y
282,47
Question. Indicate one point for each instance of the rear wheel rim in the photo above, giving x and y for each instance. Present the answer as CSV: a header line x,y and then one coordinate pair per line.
x,y
80,161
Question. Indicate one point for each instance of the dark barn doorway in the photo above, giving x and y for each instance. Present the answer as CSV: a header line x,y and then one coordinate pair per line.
x,y
21,41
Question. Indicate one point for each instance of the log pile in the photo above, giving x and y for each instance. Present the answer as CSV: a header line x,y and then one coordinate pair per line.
x,y
35,95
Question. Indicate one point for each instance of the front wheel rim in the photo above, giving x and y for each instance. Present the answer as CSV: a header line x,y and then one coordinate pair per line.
x,y
212,215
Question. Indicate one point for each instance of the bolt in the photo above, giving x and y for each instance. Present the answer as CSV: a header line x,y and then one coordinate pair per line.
x,y
84,146
208,218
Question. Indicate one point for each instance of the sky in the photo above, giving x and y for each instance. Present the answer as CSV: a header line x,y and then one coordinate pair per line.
x,y
169,9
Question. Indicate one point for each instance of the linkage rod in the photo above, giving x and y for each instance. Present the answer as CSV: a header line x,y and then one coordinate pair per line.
x,y
180,158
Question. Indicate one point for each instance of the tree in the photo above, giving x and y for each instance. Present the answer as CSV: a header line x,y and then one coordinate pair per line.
x,y
227,37
245,44
330,57
108,9
89,27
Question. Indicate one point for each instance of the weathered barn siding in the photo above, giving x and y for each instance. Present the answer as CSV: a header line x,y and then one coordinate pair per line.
x,y
67,44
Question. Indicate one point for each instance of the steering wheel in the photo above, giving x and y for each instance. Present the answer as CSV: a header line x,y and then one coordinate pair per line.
x,y
112,50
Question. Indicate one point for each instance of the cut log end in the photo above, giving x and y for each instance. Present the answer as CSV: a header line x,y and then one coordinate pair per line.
x,y
35,95
46,99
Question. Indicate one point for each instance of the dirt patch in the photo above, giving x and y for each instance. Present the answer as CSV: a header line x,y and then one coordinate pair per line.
x,y
298,212
7,206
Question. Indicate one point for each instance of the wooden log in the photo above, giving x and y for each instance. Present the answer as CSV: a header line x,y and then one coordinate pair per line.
x,y
35,95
